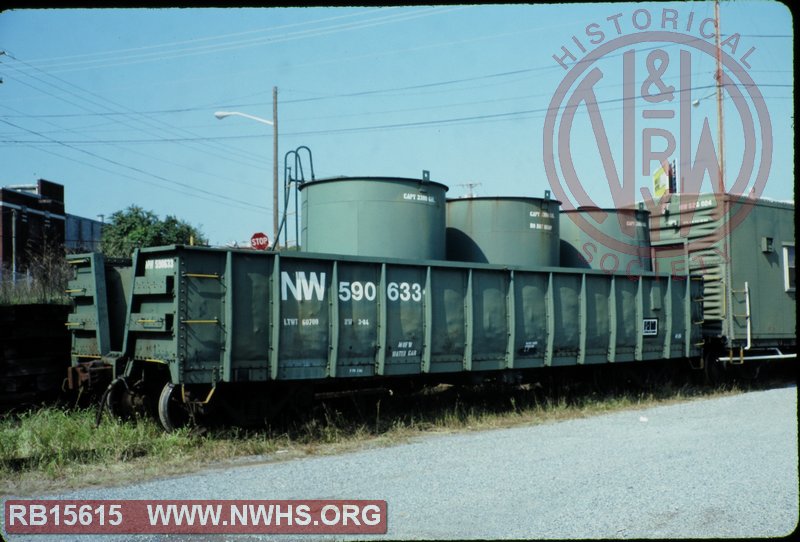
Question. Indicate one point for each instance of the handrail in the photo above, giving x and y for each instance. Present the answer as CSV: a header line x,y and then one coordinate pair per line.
x,y
778,355
747,315
287,182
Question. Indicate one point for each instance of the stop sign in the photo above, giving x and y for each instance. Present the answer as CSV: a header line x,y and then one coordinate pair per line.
x,y
259,241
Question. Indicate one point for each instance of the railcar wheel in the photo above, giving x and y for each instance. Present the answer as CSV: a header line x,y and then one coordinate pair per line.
x,y
748,371
117,400
172,411
715,370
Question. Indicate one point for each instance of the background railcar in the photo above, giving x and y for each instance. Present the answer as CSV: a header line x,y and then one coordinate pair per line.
x,y
743,249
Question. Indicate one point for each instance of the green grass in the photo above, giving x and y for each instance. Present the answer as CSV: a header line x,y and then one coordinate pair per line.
x,y
44,281
24,293
51,440
54,448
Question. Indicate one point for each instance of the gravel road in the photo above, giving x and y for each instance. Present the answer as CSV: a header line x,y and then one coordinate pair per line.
x,y
724,467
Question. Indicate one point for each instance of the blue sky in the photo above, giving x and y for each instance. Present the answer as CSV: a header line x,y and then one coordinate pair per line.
x,y
118,104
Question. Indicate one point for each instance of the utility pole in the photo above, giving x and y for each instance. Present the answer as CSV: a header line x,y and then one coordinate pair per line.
x,y
13,246
720,131
275,165
274,123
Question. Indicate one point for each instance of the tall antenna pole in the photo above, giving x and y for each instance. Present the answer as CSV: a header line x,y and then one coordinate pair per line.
x,y
275,165
720,131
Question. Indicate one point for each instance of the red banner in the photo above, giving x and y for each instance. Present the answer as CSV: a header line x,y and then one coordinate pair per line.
x,y
195,517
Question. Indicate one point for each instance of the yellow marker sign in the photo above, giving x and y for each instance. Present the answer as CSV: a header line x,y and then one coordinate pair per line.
x,y
660,181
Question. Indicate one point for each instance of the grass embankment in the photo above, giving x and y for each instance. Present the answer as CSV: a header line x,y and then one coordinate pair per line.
x,y
52,448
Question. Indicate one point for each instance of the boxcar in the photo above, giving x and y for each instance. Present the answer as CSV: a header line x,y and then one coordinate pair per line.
x,y
743,249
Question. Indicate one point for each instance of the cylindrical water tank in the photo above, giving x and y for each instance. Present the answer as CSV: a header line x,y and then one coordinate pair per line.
x,y
384,217
503,230
613,240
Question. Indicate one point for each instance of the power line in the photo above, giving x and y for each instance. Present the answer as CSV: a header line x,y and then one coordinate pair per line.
x,y
136,179
208,38
192,189
361,93
383,126
194,51
128,149
153,123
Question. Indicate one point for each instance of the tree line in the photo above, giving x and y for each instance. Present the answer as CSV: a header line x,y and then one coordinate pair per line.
x,y
135,227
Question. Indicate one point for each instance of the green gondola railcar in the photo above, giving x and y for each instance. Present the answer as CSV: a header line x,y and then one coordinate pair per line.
x,y
200,319
370,298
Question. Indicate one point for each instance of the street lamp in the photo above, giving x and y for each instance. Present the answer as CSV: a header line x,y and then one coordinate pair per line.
x,y
696,102
222,114
274,123
720,135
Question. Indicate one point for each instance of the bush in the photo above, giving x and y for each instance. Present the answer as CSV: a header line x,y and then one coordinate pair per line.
x,y
44,281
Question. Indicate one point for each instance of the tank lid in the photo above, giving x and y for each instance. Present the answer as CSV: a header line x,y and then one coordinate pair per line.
x,y
592,209
530,199
343,178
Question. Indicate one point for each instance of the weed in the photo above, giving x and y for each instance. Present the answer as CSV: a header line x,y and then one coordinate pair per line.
x,y
44,280
53,448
